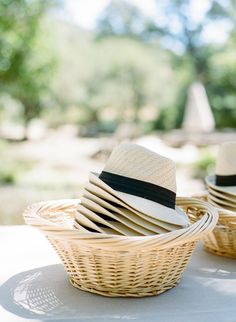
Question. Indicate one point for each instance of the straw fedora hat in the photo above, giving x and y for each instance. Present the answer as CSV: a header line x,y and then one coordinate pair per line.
x,y
224,179
143,180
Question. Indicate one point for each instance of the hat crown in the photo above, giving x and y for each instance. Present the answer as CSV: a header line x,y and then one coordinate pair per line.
x,y
137,162
226,159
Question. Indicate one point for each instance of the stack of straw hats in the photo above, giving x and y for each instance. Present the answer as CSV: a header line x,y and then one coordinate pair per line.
x,y
222,194
134,195
222,185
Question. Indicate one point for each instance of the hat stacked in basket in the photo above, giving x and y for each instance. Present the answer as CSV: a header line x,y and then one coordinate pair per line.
x,y
134,195
222,185
119,247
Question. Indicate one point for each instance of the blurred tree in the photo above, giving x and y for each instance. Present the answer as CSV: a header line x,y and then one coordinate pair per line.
x,y
222,86
24,65
120,18
120,87
110,80
129,78
177,28
184,36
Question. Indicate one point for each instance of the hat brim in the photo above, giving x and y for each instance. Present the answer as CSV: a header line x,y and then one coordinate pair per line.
x,y
154,225
125,216
211,182
218,205
88,234
150,208
223,196
112,226
222,203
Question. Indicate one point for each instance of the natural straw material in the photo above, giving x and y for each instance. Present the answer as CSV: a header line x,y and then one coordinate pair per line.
x,y
125,266
222,240
142,180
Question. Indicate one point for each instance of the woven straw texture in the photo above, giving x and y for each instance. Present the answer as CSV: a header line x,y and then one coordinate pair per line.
x,y
222,240
124,266
130,160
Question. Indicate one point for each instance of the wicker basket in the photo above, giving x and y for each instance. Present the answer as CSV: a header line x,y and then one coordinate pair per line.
x,y
222,240
121,265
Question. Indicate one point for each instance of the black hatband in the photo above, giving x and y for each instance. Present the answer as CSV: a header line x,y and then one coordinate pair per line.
x,y
139,188
226,180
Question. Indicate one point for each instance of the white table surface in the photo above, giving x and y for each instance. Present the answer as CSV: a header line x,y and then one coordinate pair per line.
x,y
34,287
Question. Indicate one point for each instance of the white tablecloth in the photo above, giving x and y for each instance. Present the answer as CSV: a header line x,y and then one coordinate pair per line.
x,y
34,287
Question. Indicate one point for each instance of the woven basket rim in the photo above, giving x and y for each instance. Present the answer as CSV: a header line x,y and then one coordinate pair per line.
x,y
33,216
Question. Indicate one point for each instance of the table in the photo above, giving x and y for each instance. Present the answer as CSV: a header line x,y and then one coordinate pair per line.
x,y
35,287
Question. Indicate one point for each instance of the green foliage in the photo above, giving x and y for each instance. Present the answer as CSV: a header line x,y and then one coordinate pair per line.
x,y
120,18
193,58
132,66
112,79
10,167
204,166
24,65
3,145
10,170
199,58
222,87
7,176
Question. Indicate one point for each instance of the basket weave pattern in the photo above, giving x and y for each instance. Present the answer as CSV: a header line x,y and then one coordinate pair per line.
x,y
222,240
124,274
121,265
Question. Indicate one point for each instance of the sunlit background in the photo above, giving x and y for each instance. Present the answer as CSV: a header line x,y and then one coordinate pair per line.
x,y
78,77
